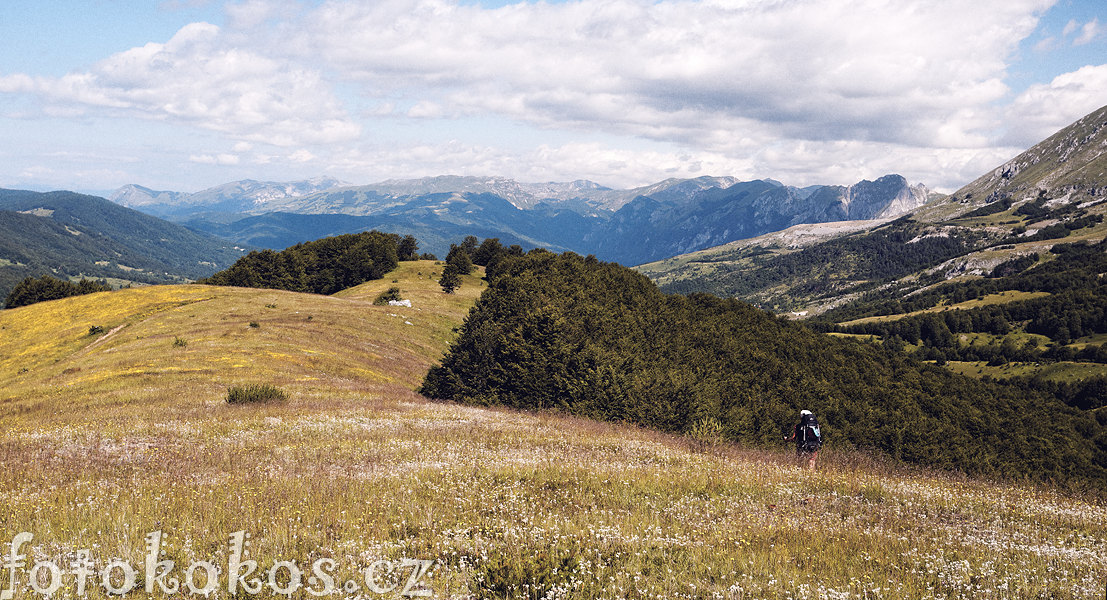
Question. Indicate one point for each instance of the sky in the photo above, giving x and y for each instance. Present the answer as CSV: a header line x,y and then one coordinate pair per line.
x,y
183,95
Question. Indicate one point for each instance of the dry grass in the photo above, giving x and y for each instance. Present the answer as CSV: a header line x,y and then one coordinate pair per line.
x,y
108,438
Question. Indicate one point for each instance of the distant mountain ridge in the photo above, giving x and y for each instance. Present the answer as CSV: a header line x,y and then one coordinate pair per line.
x,y
238,196
629,226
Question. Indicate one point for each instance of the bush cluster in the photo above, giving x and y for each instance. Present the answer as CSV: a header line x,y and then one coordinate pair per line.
x,y
255,393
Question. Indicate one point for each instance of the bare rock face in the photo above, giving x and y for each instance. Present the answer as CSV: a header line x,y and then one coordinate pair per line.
x,y
885,198
889,196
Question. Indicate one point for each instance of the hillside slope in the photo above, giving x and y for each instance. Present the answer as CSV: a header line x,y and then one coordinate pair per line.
x,y
599,340
1070,166
298,338
69,235
108,438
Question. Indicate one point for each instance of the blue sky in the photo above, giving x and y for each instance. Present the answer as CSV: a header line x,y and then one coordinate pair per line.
x,y
187,94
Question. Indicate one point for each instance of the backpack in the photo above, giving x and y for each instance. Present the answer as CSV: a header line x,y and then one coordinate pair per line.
x,y
810,438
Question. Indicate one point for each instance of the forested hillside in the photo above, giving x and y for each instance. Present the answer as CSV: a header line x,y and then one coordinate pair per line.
x,y
324,266
848,264
1038,320
70,235
595,339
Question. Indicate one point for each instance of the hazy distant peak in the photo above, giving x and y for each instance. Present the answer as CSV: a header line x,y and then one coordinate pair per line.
x,y
132,195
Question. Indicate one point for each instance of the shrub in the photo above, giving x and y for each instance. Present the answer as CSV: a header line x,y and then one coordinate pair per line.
x,y
255,393
393,293
179,342
95,330
254,324
706,433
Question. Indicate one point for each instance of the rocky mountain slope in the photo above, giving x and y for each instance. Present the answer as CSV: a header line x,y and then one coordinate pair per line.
x,y
1069,167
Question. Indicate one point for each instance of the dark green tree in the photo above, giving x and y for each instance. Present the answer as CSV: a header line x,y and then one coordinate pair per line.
x,y
460,259
451,278
323,266
489,251
408,248
469,244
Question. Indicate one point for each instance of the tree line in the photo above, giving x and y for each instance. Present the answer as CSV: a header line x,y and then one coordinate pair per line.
x,y
323,266
462,257
31,290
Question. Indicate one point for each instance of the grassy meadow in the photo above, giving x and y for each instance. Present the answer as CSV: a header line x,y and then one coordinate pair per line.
x,y
106,437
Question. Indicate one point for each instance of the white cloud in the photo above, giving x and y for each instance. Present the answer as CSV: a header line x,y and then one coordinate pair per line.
x,y
251,13
1046,44
425,110
806,91
218,159
915,72
301,156
1090,31
1045,108
196,78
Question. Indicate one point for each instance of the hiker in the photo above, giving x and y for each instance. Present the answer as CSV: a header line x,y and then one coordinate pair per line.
x,y
808,438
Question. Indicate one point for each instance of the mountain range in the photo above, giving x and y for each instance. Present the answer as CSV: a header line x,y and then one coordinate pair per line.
x,y
629,226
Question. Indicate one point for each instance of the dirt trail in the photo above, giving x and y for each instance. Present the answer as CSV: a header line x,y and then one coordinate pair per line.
x,y
104,338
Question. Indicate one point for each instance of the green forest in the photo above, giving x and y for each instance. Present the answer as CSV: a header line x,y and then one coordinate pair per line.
x,y
573,334
324,266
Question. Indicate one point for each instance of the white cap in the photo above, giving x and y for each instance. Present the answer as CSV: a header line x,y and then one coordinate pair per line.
x,y
804,412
